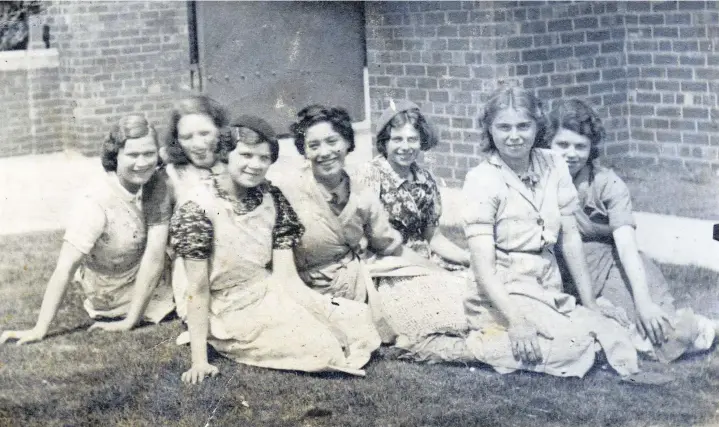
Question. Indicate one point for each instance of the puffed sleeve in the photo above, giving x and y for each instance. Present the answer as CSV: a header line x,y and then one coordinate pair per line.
x,y
288,229
156,199
615,196
86,224
191,232
381,236
481,194
566,191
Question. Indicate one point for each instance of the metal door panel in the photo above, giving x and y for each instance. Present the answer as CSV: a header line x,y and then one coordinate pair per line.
x,y
273,58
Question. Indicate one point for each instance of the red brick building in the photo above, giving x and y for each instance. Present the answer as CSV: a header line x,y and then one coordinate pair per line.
x,y
650,67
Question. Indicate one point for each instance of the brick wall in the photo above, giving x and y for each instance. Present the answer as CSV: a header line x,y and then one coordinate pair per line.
x,y
673,58
632,61
114,58
31,119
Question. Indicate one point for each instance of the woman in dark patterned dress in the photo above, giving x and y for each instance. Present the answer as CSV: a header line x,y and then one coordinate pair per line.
x,y
244,295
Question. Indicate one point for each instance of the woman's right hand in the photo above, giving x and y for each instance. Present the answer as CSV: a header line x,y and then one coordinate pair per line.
x,y
197,373
22,337
523,335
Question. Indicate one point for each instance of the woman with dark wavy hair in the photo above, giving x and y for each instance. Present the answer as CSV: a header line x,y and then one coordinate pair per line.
x,y
520,206
619,272
115,241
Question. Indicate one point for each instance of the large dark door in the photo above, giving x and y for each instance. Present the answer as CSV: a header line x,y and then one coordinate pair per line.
x,y
273,58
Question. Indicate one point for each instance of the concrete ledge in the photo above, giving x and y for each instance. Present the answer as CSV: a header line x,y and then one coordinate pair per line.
x,y
32,59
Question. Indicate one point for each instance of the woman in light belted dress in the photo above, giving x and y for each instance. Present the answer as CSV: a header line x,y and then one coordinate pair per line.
x,y
619,272
114,243
520,204
244,296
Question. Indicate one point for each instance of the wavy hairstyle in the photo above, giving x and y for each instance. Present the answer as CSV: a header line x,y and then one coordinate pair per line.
x,y
517,98
309,116
576,116
128,127
427,135
193,104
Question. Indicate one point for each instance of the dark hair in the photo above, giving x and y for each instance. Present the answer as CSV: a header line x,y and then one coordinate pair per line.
x,y
576,116
309,116
427,135
517,98
128,127
245,135
194,104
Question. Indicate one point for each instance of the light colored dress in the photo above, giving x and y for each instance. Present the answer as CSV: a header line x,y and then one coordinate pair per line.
x,y
252,319
605,205
424,307
524,218
109,226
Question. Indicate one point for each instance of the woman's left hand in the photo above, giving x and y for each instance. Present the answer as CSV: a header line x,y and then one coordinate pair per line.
x,y
115,326
653,322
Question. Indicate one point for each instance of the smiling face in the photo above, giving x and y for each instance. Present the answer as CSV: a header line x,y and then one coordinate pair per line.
x,y
573,147
136,162
198,137
247,164
326,149
513,133
403,146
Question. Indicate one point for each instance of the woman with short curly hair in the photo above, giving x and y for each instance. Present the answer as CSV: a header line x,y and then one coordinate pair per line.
x,y
115,241
619,272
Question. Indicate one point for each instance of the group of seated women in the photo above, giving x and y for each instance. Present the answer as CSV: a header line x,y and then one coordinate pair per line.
x,y
316,271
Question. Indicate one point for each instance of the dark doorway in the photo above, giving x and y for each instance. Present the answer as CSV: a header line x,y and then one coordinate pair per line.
x,y
273,58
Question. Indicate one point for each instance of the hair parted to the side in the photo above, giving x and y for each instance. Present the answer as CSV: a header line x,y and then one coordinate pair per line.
x,y
131,126
192,104
427,134
512,97
575,115
311,115
248,130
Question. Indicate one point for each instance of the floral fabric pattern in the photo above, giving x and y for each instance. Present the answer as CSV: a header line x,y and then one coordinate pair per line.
x,y
413,204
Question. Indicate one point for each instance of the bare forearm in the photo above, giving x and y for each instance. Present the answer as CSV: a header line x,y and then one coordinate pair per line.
x,y
573,251
632,263
56,287
198,308
483,258
445,248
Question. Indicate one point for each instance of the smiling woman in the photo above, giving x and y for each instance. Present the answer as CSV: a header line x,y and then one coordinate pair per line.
x,y
106,247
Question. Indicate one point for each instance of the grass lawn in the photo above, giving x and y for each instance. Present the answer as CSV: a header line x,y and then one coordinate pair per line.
x,y
133,379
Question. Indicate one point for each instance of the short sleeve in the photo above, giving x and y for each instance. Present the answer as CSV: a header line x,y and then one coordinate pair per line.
x,y
191,232
566,191
381,235
615,196
157,199
85,224
481,194
288,229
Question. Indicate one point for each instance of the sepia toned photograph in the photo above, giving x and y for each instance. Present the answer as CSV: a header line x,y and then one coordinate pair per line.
x,y
359,213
